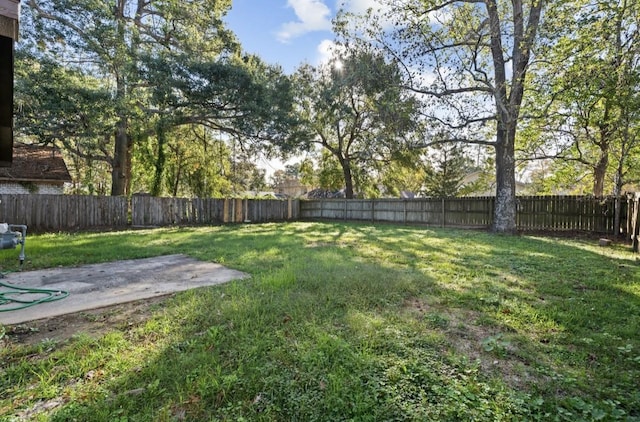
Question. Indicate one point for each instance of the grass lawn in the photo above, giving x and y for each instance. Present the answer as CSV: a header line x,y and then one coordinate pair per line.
x,y
346,322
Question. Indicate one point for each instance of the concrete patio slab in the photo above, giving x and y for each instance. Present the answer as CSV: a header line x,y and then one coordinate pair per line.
x,y
98,285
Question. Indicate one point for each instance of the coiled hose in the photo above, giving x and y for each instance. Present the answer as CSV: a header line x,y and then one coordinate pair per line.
x,y
15,298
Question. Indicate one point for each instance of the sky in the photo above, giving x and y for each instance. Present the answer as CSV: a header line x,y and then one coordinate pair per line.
x,y
288,32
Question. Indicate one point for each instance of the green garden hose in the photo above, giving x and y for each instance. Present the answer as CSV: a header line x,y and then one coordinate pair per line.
x,y
16,296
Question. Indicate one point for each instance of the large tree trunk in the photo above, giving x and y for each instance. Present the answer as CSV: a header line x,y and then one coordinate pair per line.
x,y
348,177
508,106
599,173
120,172
120,159
504,219
156,190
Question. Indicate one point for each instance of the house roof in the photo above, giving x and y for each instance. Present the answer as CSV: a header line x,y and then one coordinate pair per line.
x,y
35,163
10,8
9,14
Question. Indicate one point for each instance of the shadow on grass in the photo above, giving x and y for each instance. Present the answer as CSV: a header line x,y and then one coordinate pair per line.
x,y
566,313
348,321
303,342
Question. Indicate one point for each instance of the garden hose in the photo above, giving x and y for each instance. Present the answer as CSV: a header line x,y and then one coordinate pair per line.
x,y
16,296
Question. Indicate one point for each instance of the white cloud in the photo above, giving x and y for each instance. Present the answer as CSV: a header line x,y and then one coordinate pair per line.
x,y
328,50
313,15
325,51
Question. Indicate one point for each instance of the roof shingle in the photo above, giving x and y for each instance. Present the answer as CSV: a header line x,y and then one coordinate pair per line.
x,y
35,163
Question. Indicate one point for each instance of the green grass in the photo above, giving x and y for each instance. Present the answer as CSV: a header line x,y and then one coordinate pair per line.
x,y
348,322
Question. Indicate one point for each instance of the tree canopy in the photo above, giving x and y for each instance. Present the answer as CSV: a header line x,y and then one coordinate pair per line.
x,y
586,90
155,65
468,61
354,108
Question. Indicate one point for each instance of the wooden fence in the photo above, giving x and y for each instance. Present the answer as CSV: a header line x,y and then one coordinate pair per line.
x,y
46,213
579,213
152,211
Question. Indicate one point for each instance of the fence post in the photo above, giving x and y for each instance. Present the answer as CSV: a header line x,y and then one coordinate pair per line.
x,y
233,210
629,214
617,215
346,205
373,211
225,211
635,222
404,211
239,211
444,214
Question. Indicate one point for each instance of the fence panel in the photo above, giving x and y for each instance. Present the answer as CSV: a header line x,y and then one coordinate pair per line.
x,y
42,213
153,211
556,213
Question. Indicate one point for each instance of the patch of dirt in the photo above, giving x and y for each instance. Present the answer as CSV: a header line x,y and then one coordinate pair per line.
x,y
469,338
94,322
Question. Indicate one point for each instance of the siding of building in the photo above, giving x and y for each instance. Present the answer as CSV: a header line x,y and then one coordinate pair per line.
x,y
7,188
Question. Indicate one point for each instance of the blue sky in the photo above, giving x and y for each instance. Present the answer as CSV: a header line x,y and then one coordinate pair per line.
x,y
288,32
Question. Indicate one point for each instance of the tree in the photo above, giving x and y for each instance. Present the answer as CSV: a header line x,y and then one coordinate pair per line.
x,y
67,108
587,93
197,163
239,95
117,42
469,60
278,177
405,173
330,173
303,171
446,170
354,109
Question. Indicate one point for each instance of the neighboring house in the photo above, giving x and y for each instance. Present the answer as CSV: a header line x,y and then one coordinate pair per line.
x,y
291,188
324,194
35,170
260,194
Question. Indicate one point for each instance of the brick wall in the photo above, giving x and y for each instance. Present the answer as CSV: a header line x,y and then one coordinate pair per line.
x,y
8,188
